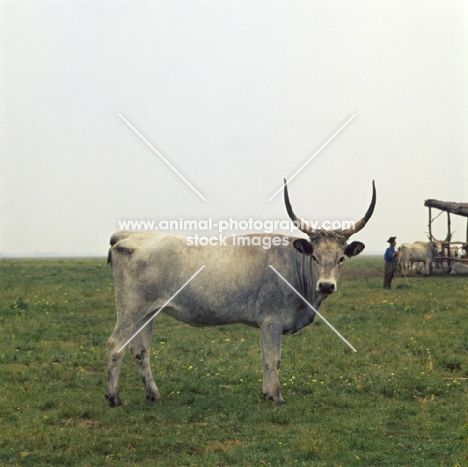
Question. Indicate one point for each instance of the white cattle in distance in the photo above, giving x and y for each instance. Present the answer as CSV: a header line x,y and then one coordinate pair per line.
x,y
459,268
419,252
454,253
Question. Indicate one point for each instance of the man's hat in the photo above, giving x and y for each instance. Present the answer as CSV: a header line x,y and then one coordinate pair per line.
x,y
391,239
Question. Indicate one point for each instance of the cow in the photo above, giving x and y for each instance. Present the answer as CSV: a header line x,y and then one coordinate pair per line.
x,y
417,252
236,286
459,268
454,251
447,251
464,249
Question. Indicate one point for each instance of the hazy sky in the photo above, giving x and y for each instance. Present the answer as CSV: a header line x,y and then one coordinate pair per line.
x,y
236,95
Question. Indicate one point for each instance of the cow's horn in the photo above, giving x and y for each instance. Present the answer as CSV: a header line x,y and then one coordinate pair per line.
x,y
299,223
362,222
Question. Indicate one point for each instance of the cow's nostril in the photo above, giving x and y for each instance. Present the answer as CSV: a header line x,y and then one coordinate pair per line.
x,y
326,287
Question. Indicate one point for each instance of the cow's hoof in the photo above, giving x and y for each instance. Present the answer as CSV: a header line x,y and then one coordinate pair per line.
x,y
114,401
279,399
153,397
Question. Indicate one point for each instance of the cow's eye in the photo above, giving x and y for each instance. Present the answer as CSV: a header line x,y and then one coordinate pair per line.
x,y
341,260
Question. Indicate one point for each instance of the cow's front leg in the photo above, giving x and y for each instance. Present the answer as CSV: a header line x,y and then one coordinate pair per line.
x,y
270,336
427,268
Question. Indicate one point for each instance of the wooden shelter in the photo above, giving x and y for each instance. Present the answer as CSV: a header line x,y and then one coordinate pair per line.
x,y
459,209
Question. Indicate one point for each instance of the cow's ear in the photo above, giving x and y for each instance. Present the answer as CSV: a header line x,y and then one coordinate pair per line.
x,y
303,246
354,248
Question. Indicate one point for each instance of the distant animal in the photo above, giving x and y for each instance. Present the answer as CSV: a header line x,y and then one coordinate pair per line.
x,y
416,252
454,251
447,250
459,268
464,249
236,286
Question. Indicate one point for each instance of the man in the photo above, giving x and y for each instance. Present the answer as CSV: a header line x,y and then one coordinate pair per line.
x,y
390,255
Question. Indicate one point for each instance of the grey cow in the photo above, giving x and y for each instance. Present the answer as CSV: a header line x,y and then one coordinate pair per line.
x,y
236,286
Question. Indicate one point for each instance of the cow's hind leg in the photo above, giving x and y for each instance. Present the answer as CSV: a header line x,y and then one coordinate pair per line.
x,y
114,362
271,353
140,348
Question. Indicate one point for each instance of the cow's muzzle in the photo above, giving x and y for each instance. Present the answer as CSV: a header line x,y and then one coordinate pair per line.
x,y
326,287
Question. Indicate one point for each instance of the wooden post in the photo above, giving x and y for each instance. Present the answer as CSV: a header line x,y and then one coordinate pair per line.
x,y
449,228
430,226
449,235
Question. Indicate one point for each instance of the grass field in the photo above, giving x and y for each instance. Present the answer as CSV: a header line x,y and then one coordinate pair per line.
x,y
401,400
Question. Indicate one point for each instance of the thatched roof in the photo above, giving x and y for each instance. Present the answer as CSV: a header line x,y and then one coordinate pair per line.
x,y
461,209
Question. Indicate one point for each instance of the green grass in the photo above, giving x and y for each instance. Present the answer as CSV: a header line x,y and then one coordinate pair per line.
x,y
401,400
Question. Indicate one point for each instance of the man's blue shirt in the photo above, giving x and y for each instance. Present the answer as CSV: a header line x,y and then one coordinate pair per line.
x,y
389,258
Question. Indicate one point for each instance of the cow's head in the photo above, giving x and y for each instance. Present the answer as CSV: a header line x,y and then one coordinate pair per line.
x,y
328,248
437,246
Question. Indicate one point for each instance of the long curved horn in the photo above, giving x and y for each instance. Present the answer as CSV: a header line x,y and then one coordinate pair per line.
x,y
433,239
360,224
299,223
